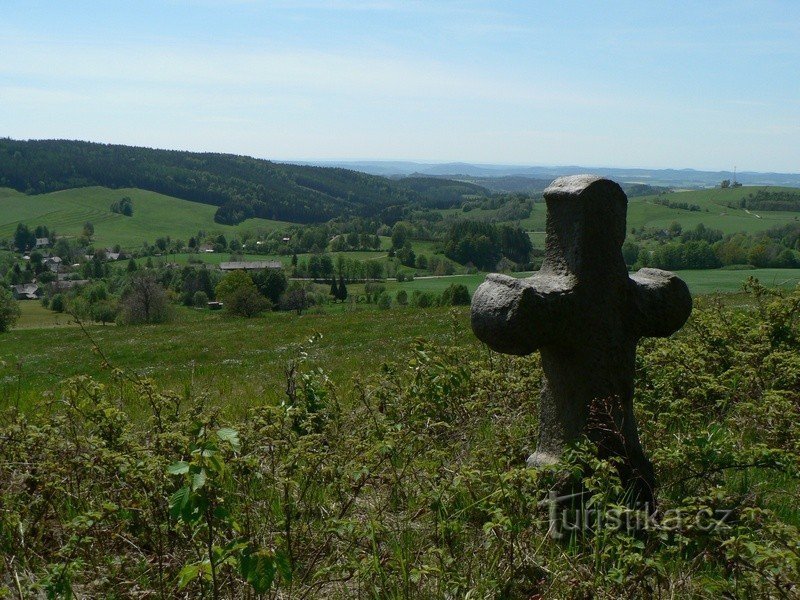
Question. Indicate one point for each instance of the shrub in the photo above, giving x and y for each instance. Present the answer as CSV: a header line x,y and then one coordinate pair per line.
x,y
104,311
384,301
9,310
402,297
456,294
200,299
246,302
422,299
57,303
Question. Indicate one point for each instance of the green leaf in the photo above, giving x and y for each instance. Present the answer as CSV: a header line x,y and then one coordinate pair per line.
x,y
178,501
226,434
178,468
284,566
258,569
187,574
198,480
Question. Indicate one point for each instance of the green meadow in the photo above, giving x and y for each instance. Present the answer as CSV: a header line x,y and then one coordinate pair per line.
x,y
714,212
243,360
699,281
154,215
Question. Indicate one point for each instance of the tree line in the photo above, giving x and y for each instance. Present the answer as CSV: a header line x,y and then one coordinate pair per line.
x,y
771,200
707,248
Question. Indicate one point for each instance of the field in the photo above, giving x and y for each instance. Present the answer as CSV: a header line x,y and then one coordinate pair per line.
x,y
714,212
699,281
243,360
240,360
154,216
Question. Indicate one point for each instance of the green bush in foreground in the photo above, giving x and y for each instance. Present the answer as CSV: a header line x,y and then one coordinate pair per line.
x,y
9,310
415,485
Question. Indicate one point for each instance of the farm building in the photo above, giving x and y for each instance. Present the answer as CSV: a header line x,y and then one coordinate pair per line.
x,y
53,263
26,291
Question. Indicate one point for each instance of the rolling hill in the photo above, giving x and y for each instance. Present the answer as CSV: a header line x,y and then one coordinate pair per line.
x,y
239,187
715,211
154,215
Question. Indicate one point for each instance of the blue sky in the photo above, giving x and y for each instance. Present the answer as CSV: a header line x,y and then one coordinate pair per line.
x,y
628,84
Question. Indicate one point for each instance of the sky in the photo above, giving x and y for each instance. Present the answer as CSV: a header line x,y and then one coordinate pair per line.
x,y
653,84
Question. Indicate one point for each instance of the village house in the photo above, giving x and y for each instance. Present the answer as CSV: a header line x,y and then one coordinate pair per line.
x,y
255,265
62,285
26,291
53,263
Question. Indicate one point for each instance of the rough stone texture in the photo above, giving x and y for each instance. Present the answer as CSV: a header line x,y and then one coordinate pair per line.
x,y
585,314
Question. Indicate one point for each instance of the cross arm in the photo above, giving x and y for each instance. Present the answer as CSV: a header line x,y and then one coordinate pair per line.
x,y
662,301
519,316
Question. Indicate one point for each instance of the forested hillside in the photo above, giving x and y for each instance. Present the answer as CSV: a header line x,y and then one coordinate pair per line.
x,y
242,187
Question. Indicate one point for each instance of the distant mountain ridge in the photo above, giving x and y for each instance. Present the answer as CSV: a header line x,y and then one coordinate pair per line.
x,y
656,177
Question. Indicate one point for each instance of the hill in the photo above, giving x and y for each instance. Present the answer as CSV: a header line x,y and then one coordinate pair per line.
x,y
715,208
154,215
240,187
442,193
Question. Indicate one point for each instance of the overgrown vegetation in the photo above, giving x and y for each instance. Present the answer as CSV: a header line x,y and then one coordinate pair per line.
x,y
414,484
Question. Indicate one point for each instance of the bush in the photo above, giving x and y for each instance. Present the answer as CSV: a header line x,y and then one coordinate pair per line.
x,y
103,311
402,297
422,299
384,301
200,299
246,302
456,294
9,310
57,303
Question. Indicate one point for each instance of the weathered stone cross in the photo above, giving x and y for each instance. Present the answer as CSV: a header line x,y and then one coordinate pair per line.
x,y
585,314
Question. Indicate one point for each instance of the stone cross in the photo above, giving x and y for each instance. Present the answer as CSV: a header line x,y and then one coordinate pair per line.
x,y
585,314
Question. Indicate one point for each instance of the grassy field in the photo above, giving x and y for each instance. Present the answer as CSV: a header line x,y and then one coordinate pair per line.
x,y
243,360
34,315
699,281
240,360
714,212
154,215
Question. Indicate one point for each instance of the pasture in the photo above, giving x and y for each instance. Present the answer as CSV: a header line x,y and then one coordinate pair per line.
x,y
239,360
154,215
243,360
714,212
